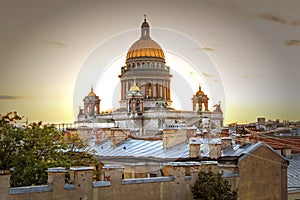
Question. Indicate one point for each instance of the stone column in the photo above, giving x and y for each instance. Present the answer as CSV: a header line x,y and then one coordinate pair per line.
x,y
194,103
83,178
154,95
168,91
206,105
163,91
143,89
126,88
122,88
158,90
115,174
181,189
4,184
56,180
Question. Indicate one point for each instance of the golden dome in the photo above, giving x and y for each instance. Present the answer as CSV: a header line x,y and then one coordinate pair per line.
x,y
199,92
92,94
145,46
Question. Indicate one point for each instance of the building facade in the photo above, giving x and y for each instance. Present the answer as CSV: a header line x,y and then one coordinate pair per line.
x,y
146,104
256,170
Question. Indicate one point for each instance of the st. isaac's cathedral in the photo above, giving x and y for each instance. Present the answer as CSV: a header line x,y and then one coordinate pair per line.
x,y
145,104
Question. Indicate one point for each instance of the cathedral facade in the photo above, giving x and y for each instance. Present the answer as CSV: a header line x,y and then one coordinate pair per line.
x,y
145,104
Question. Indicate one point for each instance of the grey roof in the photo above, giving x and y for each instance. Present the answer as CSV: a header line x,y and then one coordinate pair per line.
x,y
141,148
238,150
137,148
294,172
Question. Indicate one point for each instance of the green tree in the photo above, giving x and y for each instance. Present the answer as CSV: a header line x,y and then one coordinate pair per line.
x,y
10,139
30,150
211,186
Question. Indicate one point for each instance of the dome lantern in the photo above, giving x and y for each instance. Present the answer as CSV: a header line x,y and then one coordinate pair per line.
x,y
145,29
145,46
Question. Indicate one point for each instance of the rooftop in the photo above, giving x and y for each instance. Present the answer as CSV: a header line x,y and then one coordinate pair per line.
x,y
136,148
294,172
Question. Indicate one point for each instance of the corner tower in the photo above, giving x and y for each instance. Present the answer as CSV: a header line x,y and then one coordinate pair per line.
x,y
145,62
91,107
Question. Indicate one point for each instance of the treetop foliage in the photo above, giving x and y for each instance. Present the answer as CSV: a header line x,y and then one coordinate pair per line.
x,y
29,150
211,186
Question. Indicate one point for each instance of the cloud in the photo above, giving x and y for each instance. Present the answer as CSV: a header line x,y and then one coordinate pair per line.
x,y
59,44
292,43
207,75
8,97
204,49
279,19
273,17
295,23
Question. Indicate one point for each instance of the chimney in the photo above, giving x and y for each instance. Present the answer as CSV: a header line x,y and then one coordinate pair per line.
x,y
226,142
101,134
215,150
174,134
194,147
191,132
287,152
210,147
118,135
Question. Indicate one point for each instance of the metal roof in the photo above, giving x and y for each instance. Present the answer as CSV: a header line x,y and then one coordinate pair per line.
x,y
137,148
238,150
294,172
141,148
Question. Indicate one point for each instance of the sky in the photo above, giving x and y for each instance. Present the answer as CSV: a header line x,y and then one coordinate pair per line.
x,y
253,46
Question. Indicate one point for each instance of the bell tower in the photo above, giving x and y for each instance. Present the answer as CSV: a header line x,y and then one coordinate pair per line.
x,y
91,104
200,99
